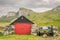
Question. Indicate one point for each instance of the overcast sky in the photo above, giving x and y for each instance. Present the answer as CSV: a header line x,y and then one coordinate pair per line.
x,y
36,5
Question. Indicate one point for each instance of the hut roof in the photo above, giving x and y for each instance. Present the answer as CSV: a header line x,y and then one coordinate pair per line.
x,y
22,19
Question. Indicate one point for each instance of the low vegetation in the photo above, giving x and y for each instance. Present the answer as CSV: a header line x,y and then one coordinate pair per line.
x,y
27,37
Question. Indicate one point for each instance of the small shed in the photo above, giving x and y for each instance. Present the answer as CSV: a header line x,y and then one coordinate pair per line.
x,y
22,25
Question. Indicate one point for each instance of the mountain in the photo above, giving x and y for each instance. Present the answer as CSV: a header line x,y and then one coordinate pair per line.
x,y
45,18
53,14
48,17
24,11
12,15
56,9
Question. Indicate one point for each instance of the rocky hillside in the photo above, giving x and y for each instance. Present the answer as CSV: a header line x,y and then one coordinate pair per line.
x,y
38,18
12,15
25,11
47,17
57,9
53,14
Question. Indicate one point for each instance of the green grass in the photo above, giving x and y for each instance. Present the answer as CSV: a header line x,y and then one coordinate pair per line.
x,y
26,37
4,23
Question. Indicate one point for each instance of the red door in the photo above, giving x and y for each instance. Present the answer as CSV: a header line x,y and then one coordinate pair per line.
x,y
22,28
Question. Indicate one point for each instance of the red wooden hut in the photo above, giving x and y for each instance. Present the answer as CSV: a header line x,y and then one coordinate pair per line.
x,y
22,25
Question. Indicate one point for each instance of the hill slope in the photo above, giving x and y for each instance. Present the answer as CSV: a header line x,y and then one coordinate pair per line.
x,y
48,17
44,18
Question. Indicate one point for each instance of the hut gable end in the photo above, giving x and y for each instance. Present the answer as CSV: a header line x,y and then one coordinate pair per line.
x,y
22,19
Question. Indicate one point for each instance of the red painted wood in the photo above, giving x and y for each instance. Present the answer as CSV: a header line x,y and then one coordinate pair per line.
x,y
22,28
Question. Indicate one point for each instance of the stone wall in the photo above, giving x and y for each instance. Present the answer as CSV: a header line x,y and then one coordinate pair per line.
x,y
34,29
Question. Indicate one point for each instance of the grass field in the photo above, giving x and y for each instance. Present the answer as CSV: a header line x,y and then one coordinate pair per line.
x,y
4,23
25,37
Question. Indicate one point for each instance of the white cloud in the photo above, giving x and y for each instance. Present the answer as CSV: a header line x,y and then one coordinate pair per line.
x,y
41,9
36,5
30,3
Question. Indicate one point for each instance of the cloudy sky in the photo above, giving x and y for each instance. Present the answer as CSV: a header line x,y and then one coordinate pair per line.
x,y
36,5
